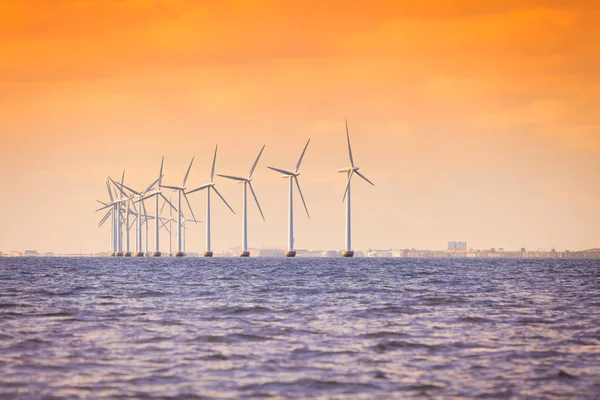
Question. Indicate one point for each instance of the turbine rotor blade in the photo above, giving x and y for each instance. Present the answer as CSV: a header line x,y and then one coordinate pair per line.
x,y
160,174
235,178
255,163
349,148
256,200
162,208
189,205
109,190
364,177
301,196
222,198
104,218
212,170
168,202
283,171
172,187
301,157
123,178
347,185
119,186
188,172
130,189
152,184
198,188
105,207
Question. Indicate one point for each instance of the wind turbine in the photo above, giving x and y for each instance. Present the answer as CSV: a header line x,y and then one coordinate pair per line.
x,y
210,186
350,171
247,183
293,177
139,196
156,194
181,192
117,236
110,213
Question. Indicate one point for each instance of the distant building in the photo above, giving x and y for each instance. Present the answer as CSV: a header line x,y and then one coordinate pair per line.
x,y
457,246
15,253
31,253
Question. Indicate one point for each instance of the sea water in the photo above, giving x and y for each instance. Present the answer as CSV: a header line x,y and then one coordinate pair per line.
x,y
305,328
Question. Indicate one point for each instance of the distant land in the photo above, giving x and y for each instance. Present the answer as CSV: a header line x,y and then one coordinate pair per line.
x,y
396,253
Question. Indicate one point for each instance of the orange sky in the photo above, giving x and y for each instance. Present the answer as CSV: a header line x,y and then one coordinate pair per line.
x,y
477,120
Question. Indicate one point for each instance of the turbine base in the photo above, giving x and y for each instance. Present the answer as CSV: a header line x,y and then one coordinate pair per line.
x,y
290,253
179,254
127,254
111,254
156,254
245,254
139,254
119,254
347,253
208,254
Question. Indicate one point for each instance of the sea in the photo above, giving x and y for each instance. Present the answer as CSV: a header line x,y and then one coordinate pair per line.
x,y
311,328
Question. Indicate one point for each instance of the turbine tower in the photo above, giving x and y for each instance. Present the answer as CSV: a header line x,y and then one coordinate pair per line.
x,y
210,186
247,183
293,177
181,193
350,171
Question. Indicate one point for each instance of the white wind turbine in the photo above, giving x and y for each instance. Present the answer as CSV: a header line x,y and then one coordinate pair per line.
x,y
181,192
138,197
293,177
156,194
116,225
247,183
110,213
350,171
210,186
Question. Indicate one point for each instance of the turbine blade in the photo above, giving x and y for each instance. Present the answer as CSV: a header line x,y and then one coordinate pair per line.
x,y
130,189
301,157
104,208
283,171
235,178
222,198
189,205
160,174
101,202
349,148
364,177
347,185
162,208
109,190
144,208
172,207
212,170
301,196
123,178
256,200
198,188
255,163
188,172
152,185
118,186
172,187
104,218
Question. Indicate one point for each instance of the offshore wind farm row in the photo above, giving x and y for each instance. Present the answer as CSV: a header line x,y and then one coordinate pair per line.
x,y
126,208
